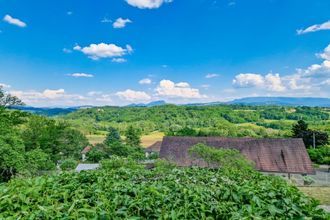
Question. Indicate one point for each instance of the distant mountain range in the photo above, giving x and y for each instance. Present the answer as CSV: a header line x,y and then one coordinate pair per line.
x,y
283,101
280,101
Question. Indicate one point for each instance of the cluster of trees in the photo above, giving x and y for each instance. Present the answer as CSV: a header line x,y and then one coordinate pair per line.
x,y
310,137
225,120
316,142
31,144
113,145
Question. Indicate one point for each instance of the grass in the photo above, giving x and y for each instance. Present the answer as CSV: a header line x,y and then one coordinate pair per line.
x,y
95,139
146,140
151,138
320,193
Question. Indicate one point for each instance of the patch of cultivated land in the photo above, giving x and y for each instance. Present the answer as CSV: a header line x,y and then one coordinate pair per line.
x,y
151,138
146,140
320,193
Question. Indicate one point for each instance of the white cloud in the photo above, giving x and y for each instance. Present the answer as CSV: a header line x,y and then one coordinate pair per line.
x,y
131,95
121,23
66,50
59,97
147,4
167,88
79,75
5,86
102,50
118,60
270,82
314,28
14,21
145,81
273,82
326,53
211,75
246,80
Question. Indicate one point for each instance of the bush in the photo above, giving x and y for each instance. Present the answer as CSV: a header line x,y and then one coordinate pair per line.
x,y
224,158
177,193
320,155
95,155
68,164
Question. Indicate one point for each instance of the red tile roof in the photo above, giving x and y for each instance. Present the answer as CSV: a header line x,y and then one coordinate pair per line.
x,y
86,150
270,155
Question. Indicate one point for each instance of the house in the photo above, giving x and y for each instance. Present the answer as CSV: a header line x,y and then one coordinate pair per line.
x,y
85,166
84,152
285,155
152,149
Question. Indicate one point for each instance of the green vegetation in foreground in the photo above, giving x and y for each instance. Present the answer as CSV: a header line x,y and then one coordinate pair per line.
x,y
125,190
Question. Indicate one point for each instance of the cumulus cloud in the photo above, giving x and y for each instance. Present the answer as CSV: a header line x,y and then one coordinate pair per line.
x,y
14,21
102,50
211,75
167,88
245,80
121,23
315,27
145,81
79,75
147,4
59,97
271,82
131,95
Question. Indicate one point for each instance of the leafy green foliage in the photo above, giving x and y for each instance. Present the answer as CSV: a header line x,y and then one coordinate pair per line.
x,y
68,164
133,137
113,137
320,155
120,192
95,155
300,130
219,120
224,158
53,137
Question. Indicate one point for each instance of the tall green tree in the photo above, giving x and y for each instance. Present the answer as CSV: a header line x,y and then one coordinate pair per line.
x,y
113,137
301,130
133,137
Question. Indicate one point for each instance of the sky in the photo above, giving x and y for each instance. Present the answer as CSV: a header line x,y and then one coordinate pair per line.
x,y
117,52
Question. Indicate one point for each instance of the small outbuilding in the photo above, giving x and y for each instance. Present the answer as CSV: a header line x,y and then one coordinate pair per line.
x,y
282,155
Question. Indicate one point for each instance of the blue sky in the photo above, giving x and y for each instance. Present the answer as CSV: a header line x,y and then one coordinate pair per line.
x,y
115,52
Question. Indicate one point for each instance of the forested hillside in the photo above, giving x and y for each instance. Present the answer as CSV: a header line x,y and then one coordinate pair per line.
x,y
223,120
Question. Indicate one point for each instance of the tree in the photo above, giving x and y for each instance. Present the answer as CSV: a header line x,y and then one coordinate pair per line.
x,y
68,164
300,130
113,137
133,137
11,145
37,160
8,100
96,155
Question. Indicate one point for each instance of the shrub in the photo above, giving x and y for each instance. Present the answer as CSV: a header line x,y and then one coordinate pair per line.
x,y
320,155
68,164
224,158
177,193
